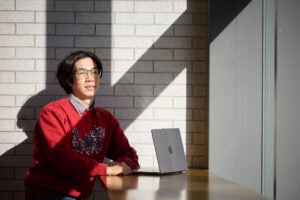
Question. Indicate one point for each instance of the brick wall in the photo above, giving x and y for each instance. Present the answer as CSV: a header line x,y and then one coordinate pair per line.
x,y
155,71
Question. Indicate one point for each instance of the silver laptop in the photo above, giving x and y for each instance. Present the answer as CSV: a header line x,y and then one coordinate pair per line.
x,y
169,152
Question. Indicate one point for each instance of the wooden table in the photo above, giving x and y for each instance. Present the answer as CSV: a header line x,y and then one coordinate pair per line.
x,y
194,184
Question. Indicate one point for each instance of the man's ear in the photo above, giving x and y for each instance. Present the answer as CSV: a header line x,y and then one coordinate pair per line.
x,y
70,82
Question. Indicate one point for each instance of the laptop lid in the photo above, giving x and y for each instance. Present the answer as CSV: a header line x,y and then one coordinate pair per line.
x,y
169,150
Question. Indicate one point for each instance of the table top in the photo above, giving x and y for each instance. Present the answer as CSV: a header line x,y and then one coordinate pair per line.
x,y
193,184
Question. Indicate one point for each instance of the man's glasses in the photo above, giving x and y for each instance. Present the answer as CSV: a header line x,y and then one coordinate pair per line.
x,y
83,73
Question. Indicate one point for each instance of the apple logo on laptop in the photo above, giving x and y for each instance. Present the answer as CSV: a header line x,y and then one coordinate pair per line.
x,y
170,149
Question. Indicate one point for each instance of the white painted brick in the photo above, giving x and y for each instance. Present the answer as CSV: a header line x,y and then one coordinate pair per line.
x,y
17,161
7,5
192,126
7,100
36,100
196,150
180,6
37,29
23,149
166,18
192,30
180,102
139,137
146,160
154,54
14,89
103,6
122,6
172,114
75,29
132,42
61,52
34,77
181,78
199,138
173,42
50,89
7,125
12,137
55,17
122,54
105,54
145,149
121,78
7,77
26,125
173,18
7,53
171,90
134,18
134,90
20,173
197,78
172,66
132,66
21,100
153,78
54,41
35,53
33,5
94,18
199,114
197,7
16,41
26,112
122,30
153,6
4,148
153,30
74,5
6,173
89,42
114,101
200,66
151,102
16,65
146,125
104,29
193,102
200,90
193,54
7,29
134,113
127,125
46,65
17,16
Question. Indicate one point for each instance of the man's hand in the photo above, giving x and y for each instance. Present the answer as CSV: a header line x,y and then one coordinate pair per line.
x,y
117,168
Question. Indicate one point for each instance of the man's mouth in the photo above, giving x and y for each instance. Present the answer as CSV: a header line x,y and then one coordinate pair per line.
x,y
89,87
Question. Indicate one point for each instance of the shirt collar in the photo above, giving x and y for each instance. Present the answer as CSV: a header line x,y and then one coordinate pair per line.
x,y
80,108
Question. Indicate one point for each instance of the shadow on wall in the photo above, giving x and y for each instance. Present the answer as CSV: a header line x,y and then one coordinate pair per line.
x,y
223,13
61,40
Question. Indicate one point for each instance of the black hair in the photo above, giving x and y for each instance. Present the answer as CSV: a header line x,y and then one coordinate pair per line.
x,y
65,69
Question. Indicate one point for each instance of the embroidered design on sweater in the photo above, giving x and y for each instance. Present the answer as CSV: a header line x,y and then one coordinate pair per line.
x,y
92,142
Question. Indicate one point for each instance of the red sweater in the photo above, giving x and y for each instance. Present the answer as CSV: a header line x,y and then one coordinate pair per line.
x,y
69,149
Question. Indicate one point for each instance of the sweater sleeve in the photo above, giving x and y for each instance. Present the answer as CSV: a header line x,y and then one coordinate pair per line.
x,y
53,148
120,149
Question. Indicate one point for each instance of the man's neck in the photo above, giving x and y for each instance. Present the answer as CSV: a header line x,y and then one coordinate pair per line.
x,y
88,102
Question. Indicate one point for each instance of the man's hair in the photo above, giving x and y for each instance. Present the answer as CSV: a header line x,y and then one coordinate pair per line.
x,y
65,69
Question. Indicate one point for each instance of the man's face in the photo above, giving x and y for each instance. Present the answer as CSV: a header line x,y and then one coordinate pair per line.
x,y
86,79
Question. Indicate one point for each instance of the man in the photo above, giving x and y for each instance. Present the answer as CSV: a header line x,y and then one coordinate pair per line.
x,y
72,137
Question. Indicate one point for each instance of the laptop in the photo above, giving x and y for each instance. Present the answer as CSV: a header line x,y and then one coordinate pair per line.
x,y
169,152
